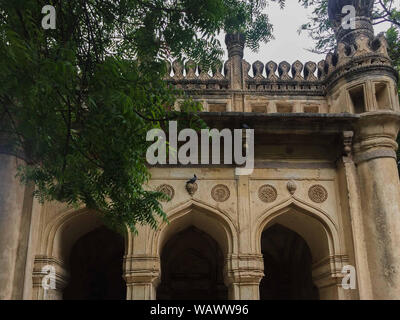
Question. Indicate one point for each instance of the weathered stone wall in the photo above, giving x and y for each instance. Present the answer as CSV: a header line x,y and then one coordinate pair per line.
x,y
324,167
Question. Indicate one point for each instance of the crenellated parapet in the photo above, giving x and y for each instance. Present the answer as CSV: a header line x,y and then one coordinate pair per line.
x,y
268,77
191,76
283,78
361,56
349,60
270,71
357,77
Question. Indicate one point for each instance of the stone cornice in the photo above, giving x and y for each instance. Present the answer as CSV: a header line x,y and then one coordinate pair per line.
x,y
333,123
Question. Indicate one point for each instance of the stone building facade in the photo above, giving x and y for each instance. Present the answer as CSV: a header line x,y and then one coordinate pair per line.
x,y
324,194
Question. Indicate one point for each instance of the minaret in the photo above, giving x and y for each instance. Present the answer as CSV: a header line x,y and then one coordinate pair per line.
x,y
235,67
365,82
235,45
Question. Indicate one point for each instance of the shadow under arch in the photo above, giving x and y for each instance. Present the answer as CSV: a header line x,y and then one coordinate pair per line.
x,y
204,217
192,267
320,234
68,232
207,222
287,266
62,232
316,227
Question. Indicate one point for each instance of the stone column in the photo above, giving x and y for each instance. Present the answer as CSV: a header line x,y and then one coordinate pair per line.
x,y
50,277
12,195
375,156
243,276
142,276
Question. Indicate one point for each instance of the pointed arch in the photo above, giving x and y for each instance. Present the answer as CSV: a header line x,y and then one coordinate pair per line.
x,y
320,233
63,231
318,229
218,224
60,236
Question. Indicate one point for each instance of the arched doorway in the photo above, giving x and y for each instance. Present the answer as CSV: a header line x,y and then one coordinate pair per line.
x,y
287,266
95,265
192,268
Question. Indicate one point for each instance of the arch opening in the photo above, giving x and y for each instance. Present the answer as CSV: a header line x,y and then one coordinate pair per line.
x,y
287,266
203,218
315,227
96,267
192,264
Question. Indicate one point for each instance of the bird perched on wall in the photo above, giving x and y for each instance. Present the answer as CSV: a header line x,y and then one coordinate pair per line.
x,y
245,126
193,180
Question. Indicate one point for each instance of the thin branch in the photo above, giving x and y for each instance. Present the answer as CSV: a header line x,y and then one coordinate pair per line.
x,y
389,13
152,119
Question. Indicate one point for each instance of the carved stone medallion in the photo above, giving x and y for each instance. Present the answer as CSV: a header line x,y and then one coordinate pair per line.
x,y
318,193
167,189
220,193
267,193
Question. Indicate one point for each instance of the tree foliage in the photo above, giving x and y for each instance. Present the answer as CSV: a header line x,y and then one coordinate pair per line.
x,y
78,100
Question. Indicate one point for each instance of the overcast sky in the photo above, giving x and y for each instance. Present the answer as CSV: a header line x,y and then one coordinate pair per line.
x,y
288,44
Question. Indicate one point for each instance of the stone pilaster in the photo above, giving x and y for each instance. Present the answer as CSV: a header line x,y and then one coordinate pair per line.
x,y
243,274
356,218
375,156
327,277
49,278
142,275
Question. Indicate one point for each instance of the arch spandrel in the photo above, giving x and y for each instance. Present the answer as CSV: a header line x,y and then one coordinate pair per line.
x,y
262,200
203,194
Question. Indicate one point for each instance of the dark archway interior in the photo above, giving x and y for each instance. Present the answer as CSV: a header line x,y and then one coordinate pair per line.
x,y
96,267
192,268
287,266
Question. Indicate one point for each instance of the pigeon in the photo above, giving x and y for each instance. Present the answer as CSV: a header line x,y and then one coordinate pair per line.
x,y
193,180
245,126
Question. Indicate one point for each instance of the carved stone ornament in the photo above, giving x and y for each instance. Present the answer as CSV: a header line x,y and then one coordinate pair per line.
x,y
167,189
291,186
347,142
192,188
267,193
318,193
220,193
